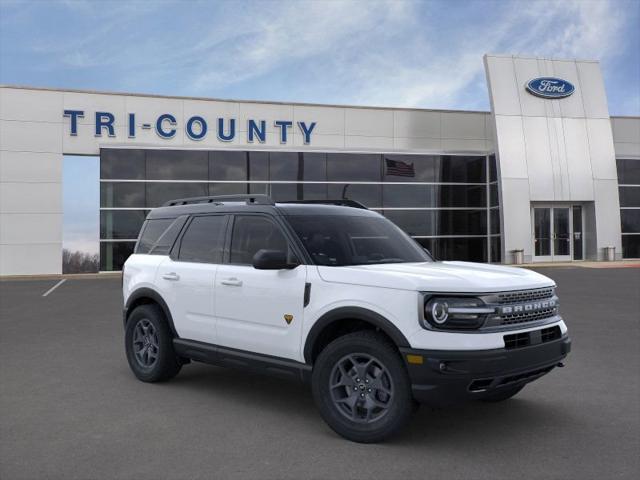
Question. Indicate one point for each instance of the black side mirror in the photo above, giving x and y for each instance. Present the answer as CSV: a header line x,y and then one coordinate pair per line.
x,y
272,260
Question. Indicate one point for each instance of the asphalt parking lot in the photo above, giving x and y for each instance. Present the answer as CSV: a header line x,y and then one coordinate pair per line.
x,y
71,409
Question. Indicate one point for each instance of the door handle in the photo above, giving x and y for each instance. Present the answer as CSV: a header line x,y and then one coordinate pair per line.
x,y
231,282
171,276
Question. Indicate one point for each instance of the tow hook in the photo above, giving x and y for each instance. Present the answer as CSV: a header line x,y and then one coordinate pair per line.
x,y
560,364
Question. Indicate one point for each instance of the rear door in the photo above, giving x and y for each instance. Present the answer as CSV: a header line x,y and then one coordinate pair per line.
x,y
187,277
259,310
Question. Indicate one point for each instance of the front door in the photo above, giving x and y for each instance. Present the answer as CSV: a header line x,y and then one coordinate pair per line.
x,y
557,233
259,310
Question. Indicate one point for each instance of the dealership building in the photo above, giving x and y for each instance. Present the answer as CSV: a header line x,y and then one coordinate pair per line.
x,y
546,175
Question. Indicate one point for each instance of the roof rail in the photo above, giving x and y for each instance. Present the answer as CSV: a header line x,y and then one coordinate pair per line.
x,y
220,199
345,202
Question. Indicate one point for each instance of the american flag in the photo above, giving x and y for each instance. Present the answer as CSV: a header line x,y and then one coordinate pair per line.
x,y
399,168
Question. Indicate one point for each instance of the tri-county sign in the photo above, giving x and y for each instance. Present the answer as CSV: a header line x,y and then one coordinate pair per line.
x,y
550,87
196,127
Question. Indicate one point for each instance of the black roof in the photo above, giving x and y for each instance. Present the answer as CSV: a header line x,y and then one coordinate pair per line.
x,y
258,204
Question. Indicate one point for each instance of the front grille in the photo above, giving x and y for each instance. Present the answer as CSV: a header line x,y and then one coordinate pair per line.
x,y
521,296
519,340
524,317
551,333
519,305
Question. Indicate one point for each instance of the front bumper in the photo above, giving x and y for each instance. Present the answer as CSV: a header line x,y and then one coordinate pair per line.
x,y
440,377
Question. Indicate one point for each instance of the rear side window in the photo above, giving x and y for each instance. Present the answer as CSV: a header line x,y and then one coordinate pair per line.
x,y
151,232
253,233
163,245
203,241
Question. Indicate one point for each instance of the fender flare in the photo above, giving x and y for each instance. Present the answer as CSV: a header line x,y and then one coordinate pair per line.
x,y
145,292
352,313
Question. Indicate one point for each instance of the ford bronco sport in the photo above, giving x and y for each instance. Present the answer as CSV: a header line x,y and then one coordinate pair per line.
x,y
338,296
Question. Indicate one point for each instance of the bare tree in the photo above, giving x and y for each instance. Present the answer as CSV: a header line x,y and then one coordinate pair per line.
x,y
79,262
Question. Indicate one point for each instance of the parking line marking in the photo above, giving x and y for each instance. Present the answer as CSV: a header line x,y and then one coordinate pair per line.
x,y
54,287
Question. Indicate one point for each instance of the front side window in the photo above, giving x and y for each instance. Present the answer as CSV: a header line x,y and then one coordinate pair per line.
x,y
203,241
252,233
340,240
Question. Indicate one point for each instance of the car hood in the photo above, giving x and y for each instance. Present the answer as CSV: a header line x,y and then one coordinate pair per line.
x,y
437,277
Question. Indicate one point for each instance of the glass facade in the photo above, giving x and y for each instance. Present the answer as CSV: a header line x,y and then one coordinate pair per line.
x,y
448,203
629,190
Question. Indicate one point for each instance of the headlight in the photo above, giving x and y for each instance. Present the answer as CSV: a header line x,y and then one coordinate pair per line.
x,y
455,313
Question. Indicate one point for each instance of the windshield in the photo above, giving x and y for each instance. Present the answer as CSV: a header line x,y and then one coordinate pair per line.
x,y
339,240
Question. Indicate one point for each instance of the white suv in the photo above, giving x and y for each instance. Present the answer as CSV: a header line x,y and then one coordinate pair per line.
x,y
336,295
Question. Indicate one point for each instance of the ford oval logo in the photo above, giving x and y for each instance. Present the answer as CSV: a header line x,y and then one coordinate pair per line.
x,y
550,87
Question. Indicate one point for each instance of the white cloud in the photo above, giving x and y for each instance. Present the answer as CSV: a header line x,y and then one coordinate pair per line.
x,y
390,55
550,29
395,53
277,37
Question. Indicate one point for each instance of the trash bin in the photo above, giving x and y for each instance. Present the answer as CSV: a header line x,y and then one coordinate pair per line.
x,y
518,257
609,253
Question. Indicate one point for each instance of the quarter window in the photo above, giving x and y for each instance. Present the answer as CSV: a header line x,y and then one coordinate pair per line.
x,y
151,232
252,233
203,241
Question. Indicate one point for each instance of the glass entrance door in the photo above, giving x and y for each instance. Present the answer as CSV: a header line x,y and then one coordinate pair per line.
x,y
542,233
561,234
557,233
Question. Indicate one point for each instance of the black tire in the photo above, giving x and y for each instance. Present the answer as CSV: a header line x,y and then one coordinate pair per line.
x,y
502,394
159,361
379,409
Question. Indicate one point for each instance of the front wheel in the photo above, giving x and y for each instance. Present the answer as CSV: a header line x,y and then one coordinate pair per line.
x,y
361,387
149,345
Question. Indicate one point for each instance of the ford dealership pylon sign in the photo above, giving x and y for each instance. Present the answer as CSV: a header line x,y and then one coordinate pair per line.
x,y
550,87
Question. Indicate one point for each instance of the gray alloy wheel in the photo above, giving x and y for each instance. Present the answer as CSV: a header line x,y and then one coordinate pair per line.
x,y
149,345
361,388
145,343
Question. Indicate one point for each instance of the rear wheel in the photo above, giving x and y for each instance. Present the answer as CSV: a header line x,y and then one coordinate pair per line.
x,y
362,388
149,345
502,394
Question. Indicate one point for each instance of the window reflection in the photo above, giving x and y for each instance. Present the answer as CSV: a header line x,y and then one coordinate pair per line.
x,y
493,168
630,221
464,249
174,165
160,193
122,164
114,254
353,166
631,246
440,222
228,165
127,195
449,193
315,167
285,166
496,251
628,171
368,195
121,223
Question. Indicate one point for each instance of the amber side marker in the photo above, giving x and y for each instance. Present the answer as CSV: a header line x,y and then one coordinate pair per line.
x,y
415,359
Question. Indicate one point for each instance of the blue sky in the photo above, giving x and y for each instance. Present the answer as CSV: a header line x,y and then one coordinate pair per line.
x,y
416,54
81,203
388,53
